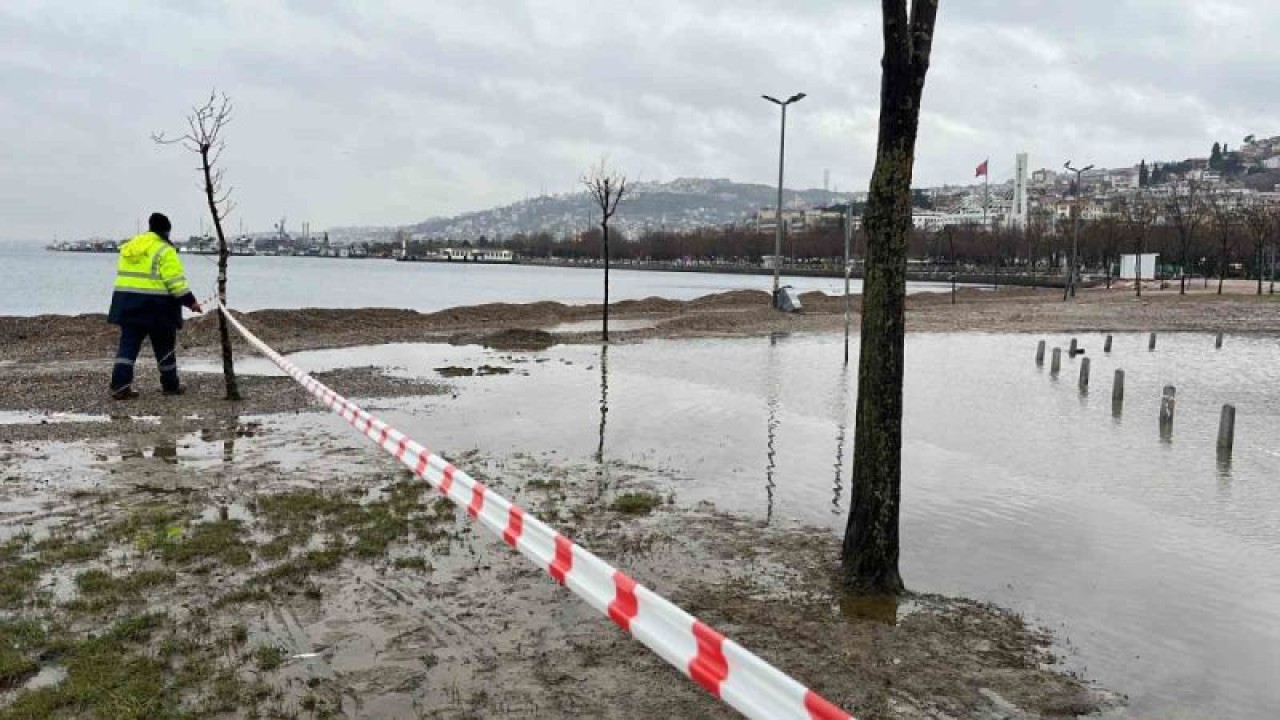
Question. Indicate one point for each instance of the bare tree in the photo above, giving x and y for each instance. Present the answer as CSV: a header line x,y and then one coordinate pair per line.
x,y
1225,218
1184,212
204,137
1139,215
1259,220
607,188
870,549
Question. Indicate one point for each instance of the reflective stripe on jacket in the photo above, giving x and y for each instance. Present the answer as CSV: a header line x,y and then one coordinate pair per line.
x,y
151,287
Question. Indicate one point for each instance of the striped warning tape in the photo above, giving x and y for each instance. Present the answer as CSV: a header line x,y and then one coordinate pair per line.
x,y
721,666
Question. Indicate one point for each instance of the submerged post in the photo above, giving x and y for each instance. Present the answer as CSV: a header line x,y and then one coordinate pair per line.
x,y
1084,374
1117,391
1056,365
1151,342
1073,350
1217,345
1040,353
1106,346
1167,403
1227,429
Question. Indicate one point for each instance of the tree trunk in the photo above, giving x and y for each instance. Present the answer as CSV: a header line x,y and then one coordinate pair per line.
x,y
1222,268
224,335
1259,266
870,550
1182,280
604,227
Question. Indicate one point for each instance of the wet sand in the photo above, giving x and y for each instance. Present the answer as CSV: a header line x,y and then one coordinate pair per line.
x,y
62,337
256,558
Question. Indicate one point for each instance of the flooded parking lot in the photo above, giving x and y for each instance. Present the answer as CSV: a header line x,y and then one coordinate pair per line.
x,y
1155,563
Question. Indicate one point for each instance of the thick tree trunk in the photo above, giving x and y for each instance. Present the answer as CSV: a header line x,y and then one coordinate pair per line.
x,y
224,335
870,551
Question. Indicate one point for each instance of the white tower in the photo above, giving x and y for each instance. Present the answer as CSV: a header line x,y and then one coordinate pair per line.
x,y
1018,216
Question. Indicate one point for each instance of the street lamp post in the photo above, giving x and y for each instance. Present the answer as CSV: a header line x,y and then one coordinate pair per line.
x,y
782,147
1070,287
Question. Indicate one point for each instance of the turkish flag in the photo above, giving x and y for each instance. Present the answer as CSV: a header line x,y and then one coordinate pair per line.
x,y
982,169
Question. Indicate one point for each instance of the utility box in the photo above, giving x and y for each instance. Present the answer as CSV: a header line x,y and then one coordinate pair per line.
x,y
787,299
1132,265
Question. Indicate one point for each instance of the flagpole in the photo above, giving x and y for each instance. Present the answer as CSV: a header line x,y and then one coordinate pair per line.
x,y
986,202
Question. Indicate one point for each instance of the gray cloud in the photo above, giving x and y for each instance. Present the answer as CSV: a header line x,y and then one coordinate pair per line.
x,y
382,113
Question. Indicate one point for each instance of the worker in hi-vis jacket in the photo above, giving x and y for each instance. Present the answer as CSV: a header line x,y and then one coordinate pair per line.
x,y
150,290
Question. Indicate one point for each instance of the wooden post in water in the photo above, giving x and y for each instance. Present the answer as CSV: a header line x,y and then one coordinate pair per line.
x,y
1040,353
1151,342
1217,345
1227,429
1084,375
1073,350
1167,403
1056,365
1117,393
1106,346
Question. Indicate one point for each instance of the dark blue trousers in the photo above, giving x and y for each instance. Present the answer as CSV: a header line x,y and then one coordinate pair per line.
x,y
164,341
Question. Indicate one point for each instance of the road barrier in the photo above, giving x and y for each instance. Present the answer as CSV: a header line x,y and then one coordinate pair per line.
x,y
722,667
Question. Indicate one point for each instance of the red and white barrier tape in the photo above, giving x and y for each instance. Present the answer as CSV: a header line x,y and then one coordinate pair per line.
x,y
721,666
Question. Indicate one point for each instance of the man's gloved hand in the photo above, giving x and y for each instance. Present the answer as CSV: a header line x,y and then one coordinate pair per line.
x,y
195,308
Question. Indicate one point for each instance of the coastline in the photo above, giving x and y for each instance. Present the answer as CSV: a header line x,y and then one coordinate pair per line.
x,y
383,547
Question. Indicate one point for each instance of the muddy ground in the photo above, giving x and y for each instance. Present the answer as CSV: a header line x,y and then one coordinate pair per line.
x,y
276,566
189,557
743,312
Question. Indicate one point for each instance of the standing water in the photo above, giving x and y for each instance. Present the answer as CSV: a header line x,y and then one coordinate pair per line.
x,y
1156,564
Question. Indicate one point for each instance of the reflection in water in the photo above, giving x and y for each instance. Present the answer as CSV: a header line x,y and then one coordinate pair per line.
x,y
877,608
773,388
842,412
1224,464
604,399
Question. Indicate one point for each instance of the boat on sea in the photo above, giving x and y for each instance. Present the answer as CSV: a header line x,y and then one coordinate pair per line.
x,y
478,256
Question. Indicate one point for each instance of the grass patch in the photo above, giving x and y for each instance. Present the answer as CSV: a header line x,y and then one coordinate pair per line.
x,y
301,567
108,676
637,503
268,657
17,581
19,639
220,541
67,548
539,484
100,590
412,562
370,527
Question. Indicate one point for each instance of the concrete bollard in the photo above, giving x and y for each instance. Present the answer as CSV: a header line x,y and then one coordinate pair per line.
x,y
1151,342
1040,354
1106,346
1084,374
1056,364
1227,429
1073,350
1167,404
1217,344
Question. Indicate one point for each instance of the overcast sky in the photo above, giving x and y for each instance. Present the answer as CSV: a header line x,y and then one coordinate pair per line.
x,y
382,113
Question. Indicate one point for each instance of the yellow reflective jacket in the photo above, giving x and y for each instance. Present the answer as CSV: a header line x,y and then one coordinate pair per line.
x,y
151,285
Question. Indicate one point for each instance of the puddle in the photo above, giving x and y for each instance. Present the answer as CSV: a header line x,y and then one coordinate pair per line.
x,y
24,417
48,676
618,325
1017,490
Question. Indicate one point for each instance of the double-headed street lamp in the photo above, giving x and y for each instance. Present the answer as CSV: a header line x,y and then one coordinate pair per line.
x,y
782,147
1070,287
